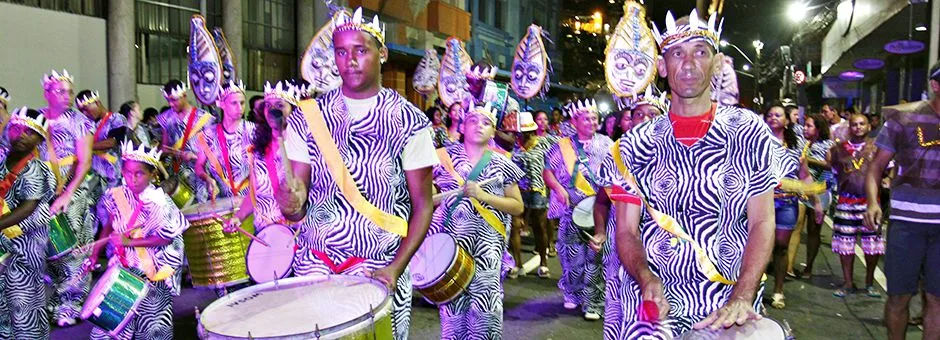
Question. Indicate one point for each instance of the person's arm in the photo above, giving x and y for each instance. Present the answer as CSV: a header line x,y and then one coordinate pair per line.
x,y
632,254
601,211
19,214
511,203
876,168
422,207
83,164
549,176
105,144
760,241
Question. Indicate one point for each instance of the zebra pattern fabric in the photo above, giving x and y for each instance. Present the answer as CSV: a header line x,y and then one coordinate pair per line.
x,y
153,317
22,305
614,274
109,172
371,148
706,188
478,312
582,280
267,209
237,142
66,132
173,128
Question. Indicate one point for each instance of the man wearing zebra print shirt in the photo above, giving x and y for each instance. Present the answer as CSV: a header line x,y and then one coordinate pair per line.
x,y
697,243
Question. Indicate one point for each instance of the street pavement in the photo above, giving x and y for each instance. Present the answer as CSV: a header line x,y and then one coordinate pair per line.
x,y
533,308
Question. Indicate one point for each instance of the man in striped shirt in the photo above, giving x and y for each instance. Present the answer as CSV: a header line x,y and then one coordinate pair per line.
x,y
911,136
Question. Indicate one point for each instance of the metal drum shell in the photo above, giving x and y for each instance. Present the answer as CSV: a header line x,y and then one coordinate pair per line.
x,y
61,237
118,292
216,258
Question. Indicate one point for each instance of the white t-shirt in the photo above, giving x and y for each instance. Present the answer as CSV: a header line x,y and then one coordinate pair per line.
x,y
418,152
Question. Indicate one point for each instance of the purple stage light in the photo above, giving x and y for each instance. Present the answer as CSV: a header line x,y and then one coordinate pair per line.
x,y
904,46
869,64
851,76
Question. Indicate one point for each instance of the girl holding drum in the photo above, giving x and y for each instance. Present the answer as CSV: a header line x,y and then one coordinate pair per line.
x,y
26,186
476,218
145,229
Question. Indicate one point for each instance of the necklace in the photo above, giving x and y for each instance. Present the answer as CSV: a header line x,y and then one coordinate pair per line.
x,y
920,138
854,149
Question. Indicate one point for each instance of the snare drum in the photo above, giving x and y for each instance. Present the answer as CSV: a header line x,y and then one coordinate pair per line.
x,y
274,261
583,214
216,258
114,299
441,269
308,307
763,329
61,237
182,194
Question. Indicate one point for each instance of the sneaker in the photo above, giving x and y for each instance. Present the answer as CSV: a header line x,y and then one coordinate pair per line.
x,y
66,321
513,273
570,305
778,301
591,316
872,292
543,272
843,292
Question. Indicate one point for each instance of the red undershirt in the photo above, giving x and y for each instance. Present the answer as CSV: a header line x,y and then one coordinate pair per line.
x,y
689,130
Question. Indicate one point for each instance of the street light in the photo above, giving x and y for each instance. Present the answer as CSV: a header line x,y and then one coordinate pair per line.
x,y
725,43
797,11
746,67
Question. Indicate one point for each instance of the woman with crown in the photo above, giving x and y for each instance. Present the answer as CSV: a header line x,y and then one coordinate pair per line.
x,y
26,187
145,228
68,149
477,218
222,162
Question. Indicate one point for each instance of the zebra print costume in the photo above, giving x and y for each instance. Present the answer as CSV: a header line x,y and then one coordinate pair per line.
x,y
581,280
238,142
705,187
66,132
371,147
267,209
159,217
109,173
478,312
173,128
22,312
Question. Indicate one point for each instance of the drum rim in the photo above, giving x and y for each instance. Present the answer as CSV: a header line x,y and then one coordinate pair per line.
x,y
573,210
379,311
764,317
248,252
200,215
453,260
110,275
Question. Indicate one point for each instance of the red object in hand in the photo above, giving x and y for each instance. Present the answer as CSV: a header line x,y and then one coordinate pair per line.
x,y
649,311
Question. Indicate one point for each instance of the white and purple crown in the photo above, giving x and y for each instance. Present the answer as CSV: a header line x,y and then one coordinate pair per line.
x,y
175,93
486,110
4,96
38,124
141,154
343,22
234,86
282,91
92,97
696,29
56,77
482,72
661,102
587,105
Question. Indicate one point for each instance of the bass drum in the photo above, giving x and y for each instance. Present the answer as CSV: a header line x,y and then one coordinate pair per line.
x,y
274,261
763,329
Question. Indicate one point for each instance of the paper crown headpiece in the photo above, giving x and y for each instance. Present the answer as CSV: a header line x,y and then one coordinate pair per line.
x,y
82,101
482,72
141,154
579,107
696,29
55,77
38,124
375,28
486,110
4,96
234,86
650,98
526,122
176,92
282,91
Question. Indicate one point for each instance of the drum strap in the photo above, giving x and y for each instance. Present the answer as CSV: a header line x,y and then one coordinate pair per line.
x,y
6,184
668,223
146,261
342,267
187,133
485,213
340,173
103,154
578,180
217,166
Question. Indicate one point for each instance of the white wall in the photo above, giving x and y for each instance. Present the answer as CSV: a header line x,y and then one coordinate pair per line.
x,y
34,41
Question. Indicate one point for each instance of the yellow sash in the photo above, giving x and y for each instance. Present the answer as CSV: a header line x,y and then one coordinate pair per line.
x,y
217,166
668,223
568,155
342,177
106,156
149,267
54,162
13,231
196,128
487,215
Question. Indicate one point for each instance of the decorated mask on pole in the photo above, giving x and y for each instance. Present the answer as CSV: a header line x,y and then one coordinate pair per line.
x,y
530,66
318,65
427,73
452,85
725,84
205,69
229,73
630,65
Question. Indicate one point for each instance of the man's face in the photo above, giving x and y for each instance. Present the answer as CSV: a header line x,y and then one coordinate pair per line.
x,y
585,124
478,128
689,68
476,86
358,60
858,126
59,94
91,110
233,105
828,113
22,139
177,104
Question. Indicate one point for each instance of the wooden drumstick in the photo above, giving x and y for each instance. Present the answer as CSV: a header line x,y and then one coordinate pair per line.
x,y
251,236
459,190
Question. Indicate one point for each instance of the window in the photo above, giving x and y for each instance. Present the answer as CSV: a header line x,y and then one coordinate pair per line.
x,y
93,8
270,41
500,20
163,35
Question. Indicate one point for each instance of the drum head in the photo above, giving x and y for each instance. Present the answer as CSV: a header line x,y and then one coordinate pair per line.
x,y
268,263
432,259
221,206
583,214
763,329
297,307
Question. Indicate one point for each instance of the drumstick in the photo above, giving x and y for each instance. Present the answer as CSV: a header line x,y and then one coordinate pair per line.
x,y
90,246
251,236
458,190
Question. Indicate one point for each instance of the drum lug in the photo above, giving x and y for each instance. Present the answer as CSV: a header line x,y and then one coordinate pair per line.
x,y
316,331
200,330
372,321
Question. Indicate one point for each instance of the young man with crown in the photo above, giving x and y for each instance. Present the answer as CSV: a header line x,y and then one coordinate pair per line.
x,y
145,230
68,150
571,172
706,175
374,217
180,126
478,219
223,146
26,187
110,129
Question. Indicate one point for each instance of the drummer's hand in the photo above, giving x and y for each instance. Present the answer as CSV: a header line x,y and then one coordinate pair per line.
x,y
735,312
231,225
89,264
652,290
60,203
597,242
472,189
388,275
291,194
562,196
117,240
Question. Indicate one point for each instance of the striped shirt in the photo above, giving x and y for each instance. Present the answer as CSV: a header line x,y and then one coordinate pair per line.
x,y
912,132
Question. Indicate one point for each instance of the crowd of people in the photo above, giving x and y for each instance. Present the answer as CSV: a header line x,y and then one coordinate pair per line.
x,y
663,215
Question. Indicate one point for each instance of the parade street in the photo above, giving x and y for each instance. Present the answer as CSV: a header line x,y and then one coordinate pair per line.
x,y
533,309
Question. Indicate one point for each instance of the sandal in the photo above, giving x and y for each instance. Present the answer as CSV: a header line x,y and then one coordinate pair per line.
x,y
843,292
872,292
544,273
778,301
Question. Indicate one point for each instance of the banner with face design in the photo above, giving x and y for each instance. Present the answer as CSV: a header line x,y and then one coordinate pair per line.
x,y
317,65
425,79
205,67
226,56
530,66
452,84
630,65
